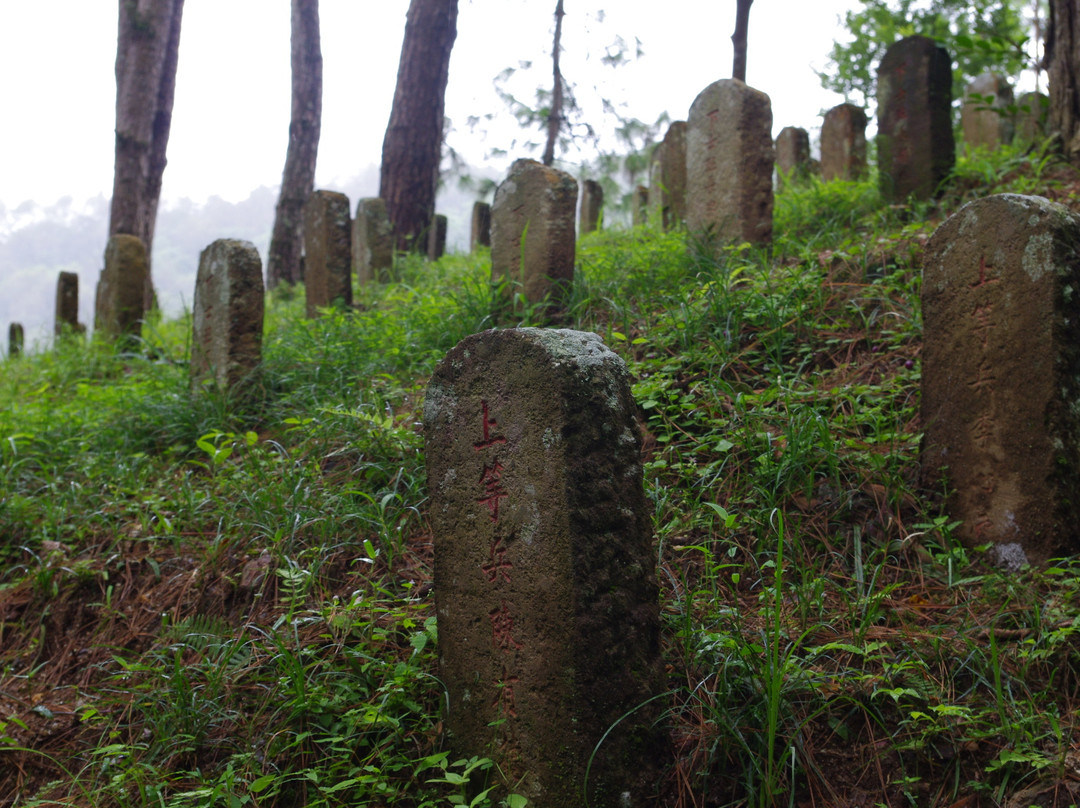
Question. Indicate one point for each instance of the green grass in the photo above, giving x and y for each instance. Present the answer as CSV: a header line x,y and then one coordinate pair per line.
x,y
208,602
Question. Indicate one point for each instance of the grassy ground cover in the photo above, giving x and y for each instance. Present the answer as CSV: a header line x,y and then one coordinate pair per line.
x,y
214,602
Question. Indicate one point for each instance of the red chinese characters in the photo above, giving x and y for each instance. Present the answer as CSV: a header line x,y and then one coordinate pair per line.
x,y
498,569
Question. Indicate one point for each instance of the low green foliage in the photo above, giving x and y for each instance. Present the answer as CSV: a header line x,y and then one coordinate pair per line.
x,y
216,602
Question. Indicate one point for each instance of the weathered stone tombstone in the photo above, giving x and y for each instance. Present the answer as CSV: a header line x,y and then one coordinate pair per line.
x,y
372,241
1001,374
327,251
592,204
227,315
67,305
480,231
640,207
533,234
671,189
843,143
729,163
792,154
121,288
1032,112
916,148
437,237
15,340
545,590
985,118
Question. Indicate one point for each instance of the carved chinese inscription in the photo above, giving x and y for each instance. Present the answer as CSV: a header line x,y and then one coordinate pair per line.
x,y
544,583
1001,373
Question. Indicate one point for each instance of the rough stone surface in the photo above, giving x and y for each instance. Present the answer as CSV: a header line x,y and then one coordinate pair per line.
x,y
437,237
729,163
15,340
545,585
640,210
916,148
1032,112
532,232
592,203
327,251
227,315
67,304
480,231
792,153
1001,372
987,125
671,181
121,288
843,143
372,241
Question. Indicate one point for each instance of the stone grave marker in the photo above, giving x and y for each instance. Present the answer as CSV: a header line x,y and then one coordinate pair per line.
x,y
640,212
67,304
1001,374
843,143
122,287
227,315
545,589
327,251
792,154
1032,111
533,234
984,119
729,163
671,189
437,237
480,231
916,148
15,340
592,203
372,241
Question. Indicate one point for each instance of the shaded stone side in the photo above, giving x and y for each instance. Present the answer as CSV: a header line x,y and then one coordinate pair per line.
x,y
480,229
843,143
673,177
1001,373
15,340
1031,116
67,304
655,208
640,206
916,148
372,241
985,118
227,315
327,251
792,153
729,163
544,566
533,233
121,288
592,203
437,237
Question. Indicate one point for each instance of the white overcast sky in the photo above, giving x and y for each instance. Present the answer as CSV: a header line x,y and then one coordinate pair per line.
x,y
230,122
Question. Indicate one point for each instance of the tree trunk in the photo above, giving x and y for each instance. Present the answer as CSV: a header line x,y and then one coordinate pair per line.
x,y
298,178
147,49
738,39
412,148
1063,74
555,116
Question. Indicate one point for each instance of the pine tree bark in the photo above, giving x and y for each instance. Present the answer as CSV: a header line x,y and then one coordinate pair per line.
x,y
412,147
1063,74
147,51
738,39
555,116
298,177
